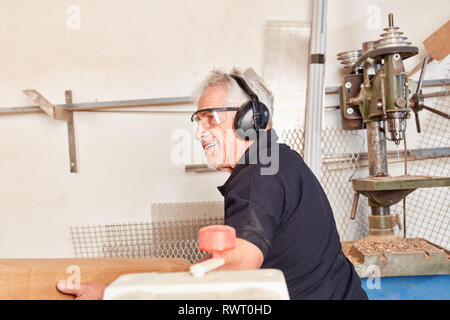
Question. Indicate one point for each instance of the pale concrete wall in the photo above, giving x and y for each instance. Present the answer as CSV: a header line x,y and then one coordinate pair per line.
x,y
131,50
122,50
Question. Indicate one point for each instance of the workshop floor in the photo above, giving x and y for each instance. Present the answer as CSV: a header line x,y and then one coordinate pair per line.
x,y
435,287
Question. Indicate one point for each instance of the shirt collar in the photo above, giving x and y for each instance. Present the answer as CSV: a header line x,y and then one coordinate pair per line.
x,y
251,155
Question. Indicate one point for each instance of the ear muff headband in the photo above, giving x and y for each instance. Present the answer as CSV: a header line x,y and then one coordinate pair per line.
x,y
251,115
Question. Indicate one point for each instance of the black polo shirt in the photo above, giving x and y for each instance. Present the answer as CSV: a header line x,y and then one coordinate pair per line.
x,y
276,203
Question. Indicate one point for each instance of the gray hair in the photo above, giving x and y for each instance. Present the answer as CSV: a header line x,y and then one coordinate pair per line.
x,y
235,95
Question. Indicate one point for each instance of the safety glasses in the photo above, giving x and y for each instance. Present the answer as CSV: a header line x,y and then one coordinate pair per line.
x,y
211,117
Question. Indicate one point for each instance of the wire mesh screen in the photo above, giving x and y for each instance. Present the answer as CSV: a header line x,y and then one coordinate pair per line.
x,y
341,150
285,65
427,210
172,233
295,138
340,163
173,229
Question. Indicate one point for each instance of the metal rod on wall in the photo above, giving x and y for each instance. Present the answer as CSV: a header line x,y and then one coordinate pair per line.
x,y
105,105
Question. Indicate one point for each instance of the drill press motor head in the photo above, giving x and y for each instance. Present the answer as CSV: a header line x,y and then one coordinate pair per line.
x,y
376,87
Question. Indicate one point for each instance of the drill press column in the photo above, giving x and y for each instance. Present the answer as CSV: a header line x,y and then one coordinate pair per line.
x,y
380,219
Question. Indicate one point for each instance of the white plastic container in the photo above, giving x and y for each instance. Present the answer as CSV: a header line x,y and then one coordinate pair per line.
x,y
261,284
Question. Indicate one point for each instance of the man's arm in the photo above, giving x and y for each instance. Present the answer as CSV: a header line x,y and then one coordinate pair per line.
x,y
244,256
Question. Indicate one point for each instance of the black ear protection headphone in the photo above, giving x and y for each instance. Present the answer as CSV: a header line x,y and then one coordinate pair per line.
x,y
253,116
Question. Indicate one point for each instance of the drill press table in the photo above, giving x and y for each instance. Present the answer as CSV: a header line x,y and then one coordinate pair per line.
x,y
398,183
386,191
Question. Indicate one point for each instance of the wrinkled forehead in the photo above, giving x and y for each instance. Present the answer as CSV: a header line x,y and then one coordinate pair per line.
x,y
213,97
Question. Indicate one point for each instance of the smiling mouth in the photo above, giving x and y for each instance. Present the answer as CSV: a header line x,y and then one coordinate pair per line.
x,y
208,146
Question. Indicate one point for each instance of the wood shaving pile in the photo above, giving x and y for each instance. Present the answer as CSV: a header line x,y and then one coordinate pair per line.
x,y
373,245
382,245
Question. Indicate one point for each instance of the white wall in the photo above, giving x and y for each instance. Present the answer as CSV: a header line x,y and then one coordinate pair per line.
x,y
130,50
122,50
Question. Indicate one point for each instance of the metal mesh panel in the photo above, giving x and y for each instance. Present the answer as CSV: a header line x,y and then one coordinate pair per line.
x,y
340,164
172,233
427,210
295,138
174,226
285,68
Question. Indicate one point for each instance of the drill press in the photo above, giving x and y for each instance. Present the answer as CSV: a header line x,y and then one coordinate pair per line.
x,y
375,97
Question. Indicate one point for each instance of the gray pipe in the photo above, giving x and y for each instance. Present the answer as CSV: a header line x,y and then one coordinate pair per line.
x,y
315,89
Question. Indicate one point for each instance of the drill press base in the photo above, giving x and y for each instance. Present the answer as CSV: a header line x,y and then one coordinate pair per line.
x,y
396,256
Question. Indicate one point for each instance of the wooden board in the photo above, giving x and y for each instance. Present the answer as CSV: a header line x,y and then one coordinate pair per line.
x,y
36,278
438,44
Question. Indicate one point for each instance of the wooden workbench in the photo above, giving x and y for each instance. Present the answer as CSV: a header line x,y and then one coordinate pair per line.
x,y
36,278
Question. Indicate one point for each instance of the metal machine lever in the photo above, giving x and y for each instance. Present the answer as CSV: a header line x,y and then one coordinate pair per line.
x,y
416,117
417,98
397,222
422,75
417,103
435,111
354,206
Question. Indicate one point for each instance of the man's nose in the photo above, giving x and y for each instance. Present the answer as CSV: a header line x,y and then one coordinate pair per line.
x,y
199,132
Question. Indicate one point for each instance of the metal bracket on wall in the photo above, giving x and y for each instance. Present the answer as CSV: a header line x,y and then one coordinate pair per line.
x,y
58,114
65,111
71,135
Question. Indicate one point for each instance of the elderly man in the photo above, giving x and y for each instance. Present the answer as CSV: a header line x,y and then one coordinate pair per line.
x,y
282,217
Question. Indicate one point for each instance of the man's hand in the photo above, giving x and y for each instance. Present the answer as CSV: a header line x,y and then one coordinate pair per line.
x,y
244,256
85,291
